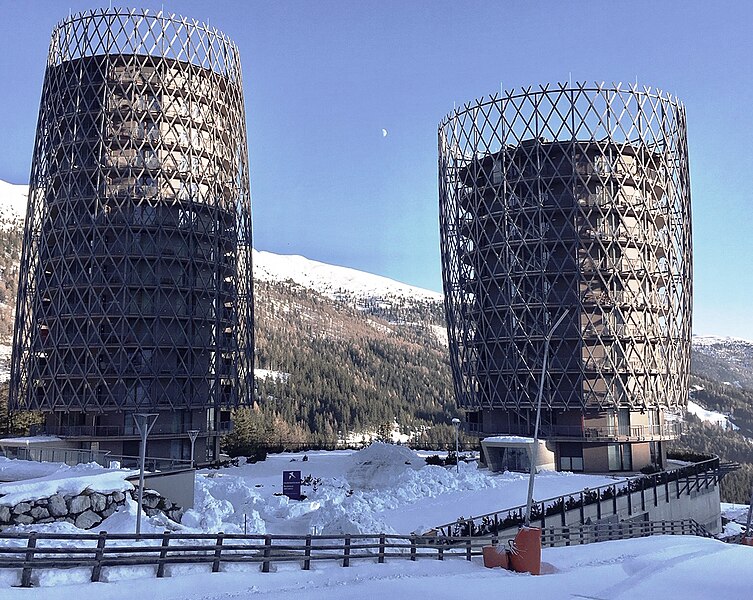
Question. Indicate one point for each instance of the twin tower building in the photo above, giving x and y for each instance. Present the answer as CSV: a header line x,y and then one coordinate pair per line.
x,y
566,205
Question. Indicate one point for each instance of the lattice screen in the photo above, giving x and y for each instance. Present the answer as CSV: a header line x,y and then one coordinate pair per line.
x,y
136,287
567,197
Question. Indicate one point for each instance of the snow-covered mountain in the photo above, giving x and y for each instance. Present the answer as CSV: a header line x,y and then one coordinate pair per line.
x,y
338,283
13,199
725,359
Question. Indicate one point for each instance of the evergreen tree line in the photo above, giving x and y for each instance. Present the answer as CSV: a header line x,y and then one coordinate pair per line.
x,y
344,371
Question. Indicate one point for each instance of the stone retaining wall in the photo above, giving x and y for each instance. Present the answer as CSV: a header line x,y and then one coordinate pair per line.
x,y
85,510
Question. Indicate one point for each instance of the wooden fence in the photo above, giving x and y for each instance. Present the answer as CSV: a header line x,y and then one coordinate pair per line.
x,y
36,551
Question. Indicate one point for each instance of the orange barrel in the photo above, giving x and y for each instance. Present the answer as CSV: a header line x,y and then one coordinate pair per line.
x,y
496,556
525,556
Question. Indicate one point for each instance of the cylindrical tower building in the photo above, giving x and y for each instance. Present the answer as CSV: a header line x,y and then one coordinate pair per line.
x,y
575,200
135,292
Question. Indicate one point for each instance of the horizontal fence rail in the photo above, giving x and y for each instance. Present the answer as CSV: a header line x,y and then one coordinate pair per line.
x,y
30,552
652,488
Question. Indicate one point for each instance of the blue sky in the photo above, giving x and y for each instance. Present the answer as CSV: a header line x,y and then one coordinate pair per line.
x,y
322,79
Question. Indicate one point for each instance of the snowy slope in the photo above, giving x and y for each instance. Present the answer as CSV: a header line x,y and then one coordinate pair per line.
x,y
339,283
710,416
13,199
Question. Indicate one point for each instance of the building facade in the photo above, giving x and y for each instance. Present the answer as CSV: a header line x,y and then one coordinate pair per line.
x,y
569,200
135,293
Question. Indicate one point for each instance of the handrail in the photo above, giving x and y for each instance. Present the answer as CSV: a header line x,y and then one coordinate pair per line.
x,y
514,516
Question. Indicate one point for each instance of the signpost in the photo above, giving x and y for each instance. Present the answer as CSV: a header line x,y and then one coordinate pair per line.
x,y
291,484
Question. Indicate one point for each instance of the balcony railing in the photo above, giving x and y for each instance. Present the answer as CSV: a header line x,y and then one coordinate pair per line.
x,y
641,433
123,430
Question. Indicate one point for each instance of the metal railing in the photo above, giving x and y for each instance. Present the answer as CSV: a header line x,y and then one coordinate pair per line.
x,y
67,456
74,457
652,489
122,430
30,551
669,430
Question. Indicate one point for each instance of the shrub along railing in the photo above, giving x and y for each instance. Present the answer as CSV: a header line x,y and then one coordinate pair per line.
x,y
652,488
30,552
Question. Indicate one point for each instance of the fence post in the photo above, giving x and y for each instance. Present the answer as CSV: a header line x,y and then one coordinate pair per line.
x,y
97,568
598,506
307,559
267,553
163,554
346,553
217,553
630,501
643,496
582,509
468,555
413,547
381,548
30,549
440,552
614,499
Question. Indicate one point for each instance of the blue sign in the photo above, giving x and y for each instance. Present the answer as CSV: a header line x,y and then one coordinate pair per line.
x,y
291,484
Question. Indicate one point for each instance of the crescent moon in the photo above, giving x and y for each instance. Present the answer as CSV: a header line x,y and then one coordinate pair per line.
x,y
384,133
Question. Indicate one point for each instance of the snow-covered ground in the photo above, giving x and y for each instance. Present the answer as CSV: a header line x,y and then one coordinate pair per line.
x,y
666,567
384,488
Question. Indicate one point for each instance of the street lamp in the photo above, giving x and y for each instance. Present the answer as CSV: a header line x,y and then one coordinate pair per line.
x,y
192,435
456,424
144,423
532,475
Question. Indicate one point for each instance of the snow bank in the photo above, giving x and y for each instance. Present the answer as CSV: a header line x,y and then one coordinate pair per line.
x,y
65,480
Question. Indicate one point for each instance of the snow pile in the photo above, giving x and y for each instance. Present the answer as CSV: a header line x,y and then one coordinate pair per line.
x,y
711,416
380,466
65,480
222,503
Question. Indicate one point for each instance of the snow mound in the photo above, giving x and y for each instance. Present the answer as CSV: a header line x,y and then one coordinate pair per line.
x,y
223,504
68,481
380,465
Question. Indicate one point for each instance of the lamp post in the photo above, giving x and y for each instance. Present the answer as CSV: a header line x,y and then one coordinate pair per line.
x,y
456,424
144,423
535,445
192,435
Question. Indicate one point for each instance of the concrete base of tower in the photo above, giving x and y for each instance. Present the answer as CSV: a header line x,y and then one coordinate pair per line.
x,y
514,453
620,440
116,433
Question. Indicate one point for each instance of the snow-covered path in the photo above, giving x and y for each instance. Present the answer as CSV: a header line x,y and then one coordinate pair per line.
x,y
667,567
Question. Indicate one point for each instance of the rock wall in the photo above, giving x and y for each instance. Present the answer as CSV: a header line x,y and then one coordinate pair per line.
x,y
85,510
